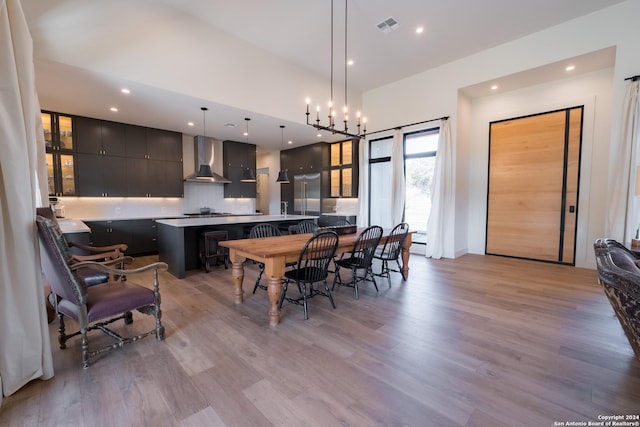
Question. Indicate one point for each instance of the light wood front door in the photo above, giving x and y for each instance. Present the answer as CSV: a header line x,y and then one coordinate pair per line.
x,y
534,168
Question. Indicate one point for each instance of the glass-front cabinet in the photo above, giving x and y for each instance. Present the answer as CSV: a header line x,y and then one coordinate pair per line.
x,y
341,169
58,136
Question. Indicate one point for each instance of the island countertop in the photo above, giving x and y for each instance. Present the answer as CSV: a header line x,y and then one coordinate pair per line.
x,y
230,220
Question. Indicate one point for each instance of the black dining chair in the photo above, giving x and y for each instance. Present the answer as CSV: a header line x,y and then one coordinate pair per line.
x,y
391,251
303,227
311,269
359,258
260,231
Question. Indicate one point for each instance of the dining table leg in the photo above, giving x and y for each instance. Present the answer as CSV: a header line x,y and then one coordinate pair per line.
x,y
237,272
274,270
405,257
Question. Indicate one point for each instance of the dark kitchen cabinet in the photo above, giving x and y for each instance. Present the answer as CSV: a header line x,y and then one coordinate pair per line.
x,y
153,178
164,178
117,159
144,236
152,169
106,233
101,176
135,142
100,137
238,156
140,235
164,145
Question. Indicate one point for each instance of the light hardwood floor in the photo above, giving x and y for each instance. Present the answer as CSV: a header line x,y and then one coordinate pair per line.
x,y
476,341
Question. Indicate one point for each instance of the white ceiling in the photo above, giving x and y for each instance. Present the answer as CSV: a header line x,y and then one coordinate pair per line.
x,y
74,38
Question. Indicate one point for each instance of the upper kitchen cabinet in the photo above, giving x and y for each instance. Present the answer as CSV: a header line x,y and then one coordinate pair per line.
x,y
117,159
164,145
100,147
238,156
101,175
59,142
154,162
343,169
100,137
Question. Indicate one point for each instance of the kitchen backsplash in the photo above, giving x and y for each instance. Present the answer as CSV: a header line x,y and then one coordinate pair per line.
x,y
196,196
199,195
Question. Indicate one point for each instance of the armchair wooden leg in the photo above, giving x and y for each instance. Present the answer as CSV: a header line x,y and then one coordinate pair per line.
x,y
85,349
159,326
62,338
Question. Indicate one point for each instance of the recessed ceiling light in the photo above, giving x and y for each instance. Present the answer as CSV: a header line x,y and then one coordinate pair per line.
x,y
319,135
125,90
190,124
494,87
420,30
570,68
114,109
350,62
290,142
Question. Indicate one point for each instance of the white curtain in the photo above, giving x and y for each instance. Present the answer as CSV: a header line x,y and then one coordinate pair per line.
x,y
397,178
363,184
25,349
623,216
442,194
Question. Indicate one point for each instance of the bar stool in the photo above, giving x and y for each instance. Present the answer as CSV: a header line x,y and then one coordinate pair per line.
x,y
209,248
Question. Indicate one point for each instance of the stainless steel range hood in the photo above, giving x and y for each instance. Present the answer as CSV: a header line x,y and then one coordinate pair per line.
x,y
204,157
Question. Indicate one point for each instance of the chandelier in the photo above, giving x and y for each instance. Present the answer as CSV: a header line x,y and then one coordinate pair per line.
x,y
361,123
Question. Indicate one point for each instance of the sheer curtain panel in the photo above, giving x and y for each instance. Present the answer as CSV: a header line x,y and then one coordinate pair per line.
x,y
25,349
442,203
623,216
397,178
363,184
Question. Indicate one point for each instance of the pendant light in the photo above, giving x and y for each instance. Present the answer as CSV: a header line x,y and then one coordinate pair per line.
x,y
248,174
283,177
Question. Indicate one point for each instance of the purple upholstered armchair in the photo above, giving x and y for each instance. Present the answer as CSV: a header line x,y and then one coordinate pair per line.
x,y
619,275
94,307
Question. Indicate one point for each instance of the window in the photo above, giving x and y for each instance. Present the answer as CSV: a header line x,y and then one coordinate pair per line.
x,y
419,162
379,182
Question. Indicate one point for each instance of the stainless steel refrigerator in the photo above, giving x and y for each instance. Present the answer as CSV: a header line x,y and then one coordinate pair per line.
x,y
306,194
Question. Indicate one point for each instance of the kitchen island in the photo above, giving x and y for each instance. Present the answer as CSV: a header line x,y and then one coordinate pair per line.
x,y
178,238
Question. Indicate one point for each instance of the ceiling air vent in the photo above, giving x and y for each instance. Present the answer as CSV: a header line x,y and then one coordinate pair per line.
x,y
388,25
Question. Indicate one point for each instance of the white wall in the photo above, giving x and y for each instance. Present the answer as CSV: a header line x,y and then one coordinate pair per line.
x,y
435,93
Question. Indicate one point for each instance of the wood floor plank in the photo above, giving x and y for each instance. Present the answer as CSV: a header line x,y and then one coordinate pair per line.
x,y
475,341
207,417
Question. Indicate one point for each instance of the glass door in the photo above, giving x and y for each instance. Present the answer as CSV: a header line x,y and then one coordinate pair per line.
x,y
58,137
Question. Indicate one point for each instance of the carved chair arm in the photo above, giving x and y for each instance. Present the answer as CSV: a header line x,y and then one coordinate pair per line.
x,y
102,266
106,256
121,247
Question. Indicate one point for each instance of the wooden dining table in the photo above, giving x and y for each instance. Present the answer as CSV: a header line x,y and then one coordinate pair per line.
x,y
276,252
